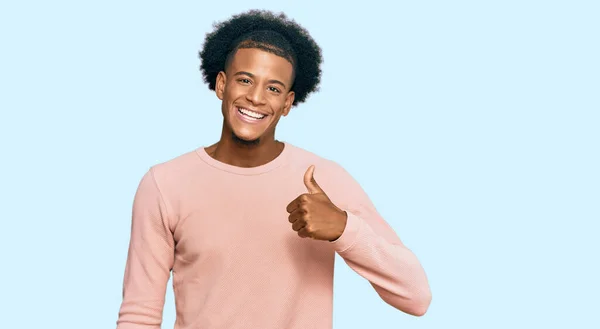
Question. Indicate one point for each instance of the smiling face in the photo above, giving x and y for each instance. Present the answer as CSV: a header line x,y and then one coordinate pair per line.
x,y
255,93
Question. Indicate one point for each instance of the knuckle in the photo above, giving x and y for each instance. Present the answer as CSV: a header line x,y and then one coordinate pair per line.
x,y
308,228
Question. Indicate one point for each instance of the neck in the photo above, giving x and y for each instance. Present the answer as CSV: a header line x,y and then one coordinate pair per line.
x,y
238,153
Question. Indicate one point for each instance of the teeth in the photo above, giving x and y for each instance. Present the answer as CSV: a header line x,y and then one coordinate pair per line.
x,y
251,113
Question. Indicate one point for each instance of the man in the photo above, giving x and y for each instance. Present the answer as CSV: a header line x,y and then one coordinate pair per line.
x,y
250,225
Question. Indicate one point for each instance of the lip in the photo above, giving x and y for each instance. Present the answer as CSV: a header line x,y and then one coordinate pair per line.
x,y
250,109
247,119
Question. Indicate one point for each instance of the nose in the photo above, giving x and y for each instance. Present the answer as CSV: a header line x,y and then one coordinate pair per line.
x,y
255,95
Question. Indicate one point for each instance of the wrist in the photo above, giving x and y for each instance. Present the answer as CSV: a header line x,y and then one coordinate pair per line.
x,y
341,227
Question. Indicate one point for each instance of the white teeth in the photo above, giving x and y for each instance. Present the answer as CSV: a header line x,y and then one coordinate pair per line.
x,y
251,113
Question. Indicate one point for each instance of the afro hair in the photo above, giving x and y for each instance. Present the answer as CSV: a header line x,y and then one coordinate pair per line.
x,y
270,32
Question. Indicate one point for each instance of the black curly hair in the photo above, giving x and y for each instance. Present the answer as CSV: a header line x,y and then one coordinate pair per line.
x,y
271,32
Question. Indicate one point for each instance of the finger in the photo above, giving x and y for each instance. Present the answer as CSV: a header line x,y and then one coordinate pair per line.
x,y
297,202
294,216
310,182
292,206
298,225
303,233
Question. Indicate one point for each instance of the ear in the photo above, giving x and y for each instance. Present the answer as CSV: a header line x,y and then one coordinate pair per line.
x,y
220,85
289,101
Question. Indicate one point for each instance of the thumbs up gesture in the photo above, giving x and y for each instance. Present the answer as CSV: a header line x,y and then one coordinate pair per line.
x,y
313,215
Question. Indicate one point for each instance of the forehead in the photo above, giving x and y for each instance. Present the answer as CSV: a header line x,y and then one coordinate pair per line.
x,y
261,64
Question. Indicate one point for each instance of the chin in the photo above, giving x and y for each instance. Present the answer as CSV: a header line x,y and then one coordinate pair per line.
x,y
248,131
247,134
245,140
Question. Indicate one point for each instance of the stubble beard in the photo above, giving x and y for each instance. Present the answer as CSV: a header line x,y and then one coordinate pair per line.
x,y
244,142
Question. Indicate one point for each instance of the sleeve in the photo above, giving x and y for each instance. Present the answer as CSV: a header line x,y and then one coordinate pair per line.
x,y
149,261
373,250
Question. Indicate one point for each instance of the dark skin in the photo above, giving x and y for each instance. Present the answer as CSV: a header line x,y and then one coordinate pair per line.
x,y
260,82
313,215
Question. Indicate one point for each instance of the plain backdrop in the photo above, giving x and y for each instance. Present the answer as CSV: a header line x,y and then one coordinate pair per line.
x,y
472,125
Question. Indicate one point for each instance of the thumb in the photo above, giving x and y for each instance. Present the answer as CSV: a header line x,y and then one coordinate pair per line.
x,y
310,182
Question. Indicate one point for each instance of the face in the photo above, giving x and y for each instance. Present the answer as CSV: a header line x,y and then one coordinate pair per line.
x,y
255,94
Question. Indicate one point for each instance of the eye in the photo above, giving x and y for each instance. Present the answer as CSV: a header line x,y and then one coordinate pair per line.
x,y
244,80
275,90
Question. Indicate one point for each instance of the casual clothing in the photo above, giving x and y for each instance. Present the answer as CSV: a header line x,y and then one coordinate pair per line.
x,y
223,232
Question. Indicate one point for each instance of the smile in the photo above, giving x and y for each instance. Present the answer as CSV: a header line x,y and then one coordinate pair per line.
x,y
250,115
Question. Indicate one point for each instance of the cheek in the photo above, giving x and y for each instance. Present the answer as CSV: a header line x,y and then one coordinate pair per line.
x,y
277,117
232,90
278,104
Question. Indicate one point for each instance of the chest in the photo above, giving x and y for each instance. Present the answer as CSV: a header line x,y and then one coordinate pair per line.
x,y
232,223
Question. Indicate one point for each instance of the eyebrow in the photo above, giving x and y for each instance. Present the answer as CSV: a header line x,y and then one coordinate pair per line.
x,y
270,81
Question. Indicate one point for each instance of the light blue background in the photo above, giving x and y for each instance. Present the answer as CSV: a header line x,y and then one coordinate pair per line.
x,y
472,125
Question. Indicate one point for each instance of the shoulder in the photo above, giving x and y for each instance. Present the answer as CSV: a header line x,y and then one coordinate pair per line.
x,y
328,172
339,185
175,169
301,159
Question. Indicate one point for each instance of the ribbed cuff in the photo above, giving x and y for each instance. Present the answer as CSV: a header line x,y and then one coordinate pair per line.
x,y
350,234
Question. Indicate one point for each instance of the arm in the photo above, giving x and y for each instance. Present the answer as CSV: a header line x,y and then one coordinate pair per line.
x,y
374,251
150,260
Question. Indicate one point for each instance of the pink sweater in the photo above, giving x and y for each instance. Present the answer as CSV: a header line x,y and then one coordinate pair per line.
x,y
223,232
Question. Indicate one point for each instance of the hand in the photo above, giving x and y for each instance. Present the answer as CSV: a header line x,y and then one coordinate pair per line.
x,y
313,215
